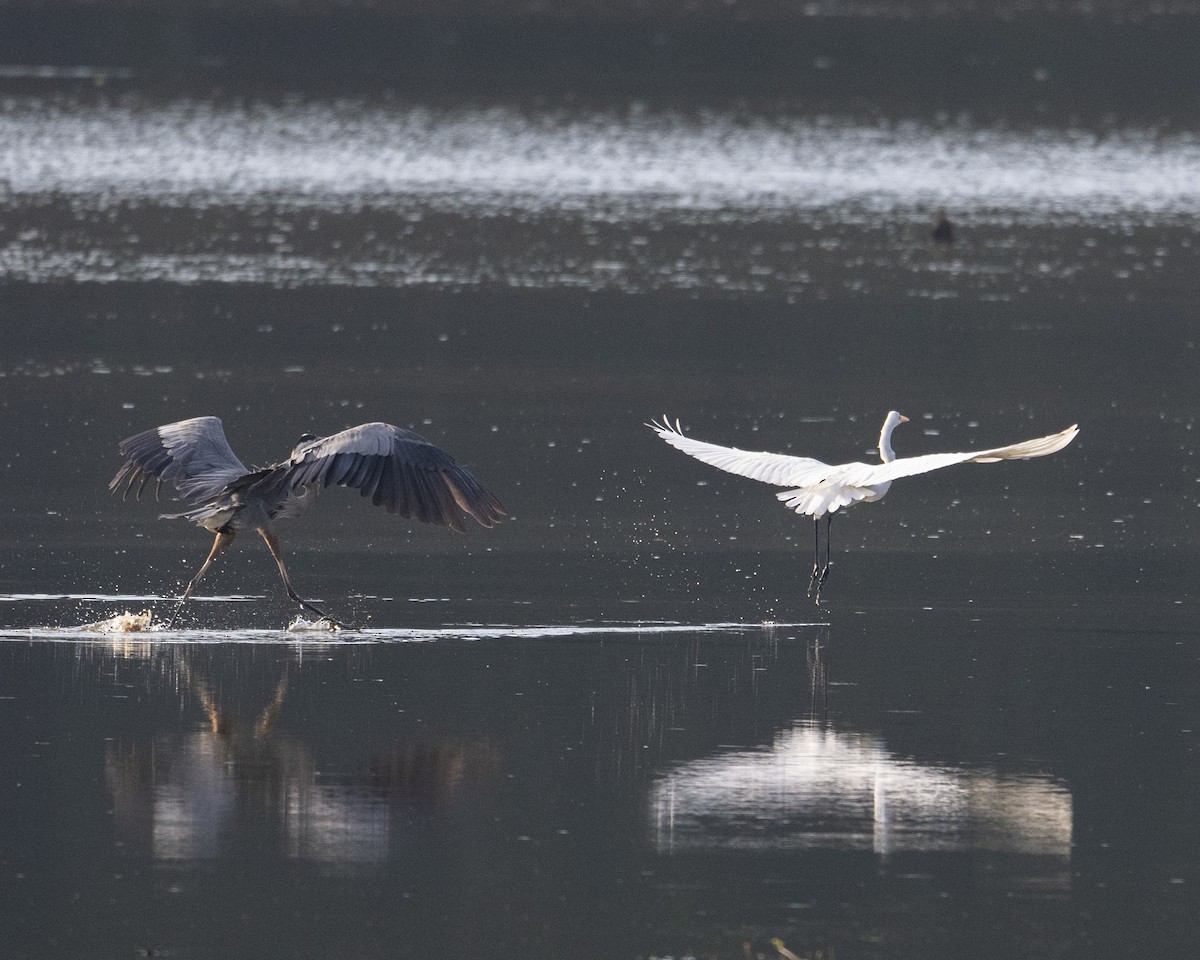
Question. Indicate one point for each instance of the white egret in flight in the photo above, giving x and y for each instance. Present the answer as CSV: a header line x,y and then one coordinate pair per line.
x,y
819,489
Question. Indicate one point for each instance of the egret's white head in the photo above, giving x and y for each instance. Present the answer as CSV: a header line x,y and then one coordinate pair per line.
x,y
893,420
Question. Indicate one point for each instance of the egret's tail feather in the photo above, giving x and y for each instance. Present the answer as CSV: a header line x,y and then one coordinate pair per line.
x,y
820,500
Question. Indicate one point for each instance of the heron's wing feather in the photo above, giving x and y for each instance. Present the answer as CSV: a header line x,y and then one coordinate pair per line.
x,y
867,475
192,454
774,468
398,469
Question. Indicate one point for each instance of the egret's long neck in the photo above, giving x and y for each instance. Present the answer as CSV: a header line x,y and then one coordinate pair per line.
x,y
886,453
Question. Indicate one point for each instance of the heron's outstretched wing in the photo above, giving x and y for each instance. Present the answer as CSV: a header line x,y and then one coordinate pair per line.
x,y
774,468
398,469
193,454
867,475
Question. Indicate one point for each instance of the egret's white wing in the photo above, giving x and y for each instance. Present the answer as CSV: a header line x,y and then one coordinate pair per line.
x,y
397,468
867,475
818,488
774,468
192,454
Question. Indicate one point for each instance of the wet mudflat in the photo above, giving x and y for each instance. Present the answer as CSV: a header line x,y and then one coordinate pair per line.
x,y
613,726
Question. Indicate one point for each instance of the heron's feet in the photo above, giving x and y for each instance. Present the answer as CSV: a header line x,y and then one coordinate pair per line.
x,y
175,615
321,613
324,616
821,582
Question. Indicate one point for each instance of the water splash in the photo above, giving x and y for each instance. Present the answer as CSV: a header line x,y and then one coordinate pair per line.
x,y
377,635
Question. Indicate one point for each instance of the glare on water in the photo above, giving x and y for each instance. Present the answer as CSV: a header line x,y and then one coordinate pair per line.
x,y
396,194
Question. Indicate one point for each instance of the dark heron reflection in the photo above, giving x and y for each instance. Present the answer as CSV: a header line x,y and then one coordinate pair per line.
x,y
183,793
397,468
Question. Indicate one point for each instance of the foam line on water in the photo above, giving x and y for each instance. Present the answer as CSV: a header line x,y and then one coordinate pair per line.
x,y
126,597
383,635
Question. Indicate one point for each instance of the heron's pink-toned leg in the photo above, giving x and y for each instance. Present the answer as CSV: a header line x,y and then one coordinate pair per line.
x,y
272,543
220,545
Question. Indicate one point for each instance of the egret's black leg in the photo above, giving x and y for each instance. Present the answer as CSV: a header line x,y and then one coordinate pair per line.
x,y
273,545
220,544
816,570
825,572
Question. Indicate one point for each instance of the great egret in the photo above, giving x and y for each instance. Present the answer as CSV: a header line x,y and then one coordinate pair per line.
x,y
398,469
818,489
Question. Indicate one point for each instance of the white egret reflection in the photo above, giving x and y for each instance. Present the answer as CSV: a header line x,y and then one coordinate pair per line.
x,y
820,788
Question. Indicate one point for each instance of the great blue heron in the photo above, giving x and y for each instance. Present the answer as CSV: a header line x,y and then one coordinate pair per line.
x,y
397,468
820,489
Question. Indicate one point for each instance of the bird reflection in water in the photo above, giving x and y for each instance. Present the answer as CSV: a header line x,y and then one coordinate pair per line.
x,y
823,788
185,791
818,678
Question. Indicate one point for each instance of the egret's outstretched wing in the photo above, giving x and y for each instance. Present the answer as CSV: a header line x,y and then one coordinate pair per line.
x,y
818,488
866,475
774,468
193,454
398,469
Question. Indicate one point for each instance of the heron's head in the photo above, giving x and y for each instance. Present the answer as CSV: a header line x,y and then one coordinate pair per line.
x,y
304,441
894,419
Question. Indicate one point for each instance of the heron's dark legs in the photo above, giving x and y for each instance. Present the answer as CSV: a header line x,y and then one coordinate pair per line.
x,y
825,570
272,543
816,570
220,544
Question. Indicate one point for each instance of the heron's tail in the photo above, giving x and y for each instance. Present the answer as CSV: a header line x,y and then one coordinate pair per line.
x,y
197,515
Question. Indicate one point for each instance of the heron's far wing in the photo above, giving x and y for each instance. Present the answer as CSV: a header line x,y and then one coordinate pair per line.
x,y
865,475
779,469
192,454
398,469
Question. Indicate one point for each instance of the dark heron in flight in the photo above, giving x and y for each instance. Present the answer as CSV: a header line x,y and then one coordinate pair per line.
x,y
398,469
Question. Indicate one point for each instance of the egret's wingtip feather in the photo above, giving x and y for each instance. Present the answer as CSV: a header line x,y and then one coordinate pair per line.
x,y
664,427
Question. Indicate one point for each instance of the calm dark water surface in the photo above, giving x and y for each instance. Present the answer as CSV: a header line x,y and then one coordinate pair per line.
x,y
613,726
